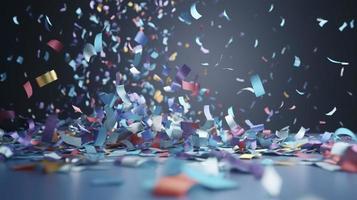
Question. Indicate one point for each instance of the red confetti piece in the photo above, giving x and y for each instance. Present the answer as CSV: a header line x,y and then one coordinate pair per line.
x,y
55,45
28,89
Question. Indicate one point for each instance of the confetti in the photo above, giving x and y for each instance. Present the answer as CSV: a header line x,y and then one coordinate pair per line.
x,y
28,89
331,112
98,43
343,26
194,13
14,19
55,45
297,61
321,21
46,78
271,181
257,85
88,51
141,38
337,62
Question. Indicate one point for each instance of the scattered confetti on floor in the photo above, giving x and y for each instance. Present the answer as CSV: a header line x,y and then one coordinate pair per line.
x,y
135,82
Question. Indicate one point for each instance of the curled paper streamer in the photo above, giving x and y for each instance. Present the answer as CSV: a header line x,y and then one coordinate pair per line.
x,y
46,78
337,62
331,112
194,13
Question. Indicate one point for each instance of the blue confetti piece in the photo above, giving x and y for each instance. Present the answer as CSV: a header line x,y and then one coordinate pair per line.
x,y
257,85
141,38
98,42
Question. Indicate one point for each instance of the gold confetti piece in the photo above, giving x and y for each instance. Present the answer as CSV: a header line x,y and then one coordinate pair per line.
x,y
46,78
286,94
249,156
156,78
173,56
158,96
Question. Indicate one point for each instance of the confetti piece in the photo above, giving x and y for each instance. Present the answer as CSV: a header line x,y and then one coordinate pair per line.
x,y
271,181
89,51
6,151
14,19
175,186
183,103
158,96
343,26
337,62
331,112
46,78
55,45
98,43
300,134
182,73
257,85
247,156
194,13
299,92
141,38
50,127
225,15
48,20
28,89
344,131
134,71
209,181
321,21
352,24
230,121
297,61
3,77
122,94
75,141
341,72
207,112
282,23
76,109
256,43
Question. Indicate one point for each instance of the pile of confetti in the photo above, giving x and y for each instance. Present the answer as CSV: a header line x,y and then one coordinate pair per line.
x,y
128,101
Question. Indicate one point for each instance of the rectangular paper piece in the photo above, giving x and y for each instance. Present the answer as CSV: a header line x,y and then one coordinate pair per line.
x,y
257,85
46,78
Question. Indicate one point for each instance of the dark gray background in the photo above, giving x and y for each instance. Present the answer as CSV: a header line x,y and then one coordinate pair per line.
x,y
301,35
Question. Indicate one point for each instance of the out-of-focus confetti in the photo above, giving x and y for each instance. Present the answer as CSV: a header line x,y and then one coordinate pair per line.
x,y
194,13
271,181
